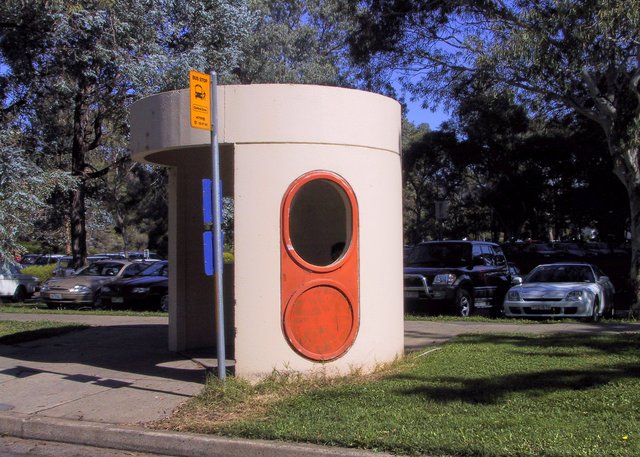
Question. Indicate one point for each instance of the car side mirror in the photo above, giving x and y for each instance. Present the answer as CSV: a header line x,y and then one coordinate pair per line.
x,y
516,280
603,279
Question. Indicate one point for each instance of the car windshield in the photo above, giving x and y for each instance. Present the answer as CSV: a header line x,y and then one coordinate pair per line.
x,y
156,269
101,269
9,269
561,273
441,255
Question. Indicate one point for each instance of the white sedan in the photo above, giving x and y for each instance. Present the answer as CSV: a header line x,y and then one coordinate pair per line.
x,y
562,290
15,285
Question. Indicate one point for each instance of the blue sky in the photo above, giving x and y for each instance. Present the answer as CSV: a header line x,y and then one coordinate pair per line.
x,y
419,115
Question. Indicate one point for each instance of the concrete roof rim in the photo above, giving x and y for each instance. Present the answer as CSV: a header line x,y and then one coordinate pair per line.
x,y
148,152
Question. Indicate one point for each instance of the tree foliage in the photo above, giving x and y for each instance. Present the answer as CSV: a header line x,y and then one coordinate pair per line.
x,y
556,55
24,189
528,178
73,68
297,41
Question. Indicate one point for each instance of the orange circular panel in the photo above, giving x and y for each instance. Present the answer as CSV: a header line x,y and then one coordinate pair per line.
x,y
320,323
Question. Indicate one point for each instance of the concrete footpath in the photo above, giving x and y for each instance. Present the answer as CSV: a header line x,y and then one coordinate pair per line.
x,y
99,386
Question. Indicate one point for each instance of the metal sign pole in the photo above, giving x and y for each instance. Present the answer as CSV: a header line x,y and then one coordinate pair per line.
x,y
217,228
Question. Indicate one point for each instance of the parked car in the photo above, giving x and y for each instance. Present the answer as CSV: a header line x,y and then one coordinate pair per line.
x,y
573,250
39,259
562,290
82,288
513,269
597,248
110,255
456,276
149,290
406,250
145,256
14,285
541,251
63,268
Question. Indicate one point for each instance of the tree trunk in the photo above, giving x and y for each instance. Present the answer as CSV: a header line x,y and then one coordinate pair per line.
x,y
78,226
634,206
78,151
627,169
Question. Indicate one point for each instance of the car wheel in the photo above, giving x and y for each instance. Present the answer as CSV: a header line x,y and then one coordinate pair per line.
x,y
20,294
464,303
164,303
595,317
97,301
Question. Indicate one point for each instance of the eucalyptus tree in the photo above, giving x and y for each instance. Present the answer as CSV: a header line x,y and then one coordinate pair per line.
x,y
430,178
24,189
557,55
298,41
73,68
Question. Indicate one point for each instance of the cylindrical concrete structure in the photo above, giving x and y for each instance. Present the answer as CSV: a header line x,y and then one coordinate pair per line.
x,y
345,143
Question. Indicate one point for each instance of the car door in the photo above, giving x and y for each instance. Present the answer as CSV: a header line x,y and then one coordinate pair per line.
x,y
492,281
8,283
480,276
607,286
501,277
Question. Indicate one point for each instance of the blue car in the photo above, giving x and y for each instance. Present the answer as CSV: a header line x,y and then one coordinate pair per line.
x,y
149,290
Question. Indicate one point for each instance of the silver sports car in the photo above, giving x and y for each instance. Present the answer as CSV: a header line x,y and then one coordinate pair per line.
x,y
562,290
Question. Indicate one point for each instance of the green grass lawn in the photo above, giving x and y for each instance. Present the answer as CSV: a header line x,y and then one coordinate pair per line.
x,y
13,332
479,395
41,308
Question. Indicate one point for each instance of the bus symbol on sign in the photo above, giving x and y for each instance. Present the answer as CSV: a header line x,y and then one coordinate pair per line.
x,y
199,92
200,100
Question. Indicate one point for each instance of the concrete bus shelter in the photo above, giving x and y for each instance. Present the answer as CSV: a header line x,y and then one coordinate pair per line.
x,y
315,177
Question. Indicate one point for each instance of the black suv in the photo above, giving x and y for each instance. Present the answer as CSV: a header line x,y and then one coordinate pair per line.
x,y
456,276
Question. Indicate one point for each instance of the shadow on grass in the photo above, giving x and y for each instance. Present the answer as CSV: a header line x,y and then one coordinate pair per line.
x,y
606,344
31,335
492,390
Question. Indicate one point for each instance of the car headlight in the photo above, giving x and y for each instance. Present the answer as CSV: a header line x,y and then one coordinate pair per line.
x,y
140,290
80,289
44,287
579,295
444,279
513,295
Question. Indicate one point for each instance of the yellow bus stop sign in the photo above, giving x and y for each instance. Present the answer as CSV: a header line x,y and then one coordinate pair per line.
x,y
200,86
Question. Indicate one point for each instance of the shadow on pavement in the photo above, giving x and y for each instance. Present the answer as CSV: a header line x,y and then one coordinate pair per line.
x,y
134,349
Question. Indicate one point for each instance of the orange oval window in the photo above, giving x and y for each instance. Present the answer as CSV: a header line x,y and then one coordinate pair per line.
x,y
320,222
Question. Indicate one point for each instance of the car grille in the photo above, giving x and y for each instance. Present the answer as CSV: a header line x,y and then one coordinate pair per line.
x,y
58,289
411,281
555,310
542,299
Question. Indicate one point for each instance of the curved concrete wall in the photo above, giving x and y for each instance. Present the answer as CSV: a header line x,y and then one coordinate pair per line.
x,y
270,135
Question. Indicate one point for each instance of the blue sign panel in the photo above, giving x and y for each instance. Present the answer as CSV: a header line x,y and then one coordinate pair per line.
x,y
207,244
207,236
207,202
